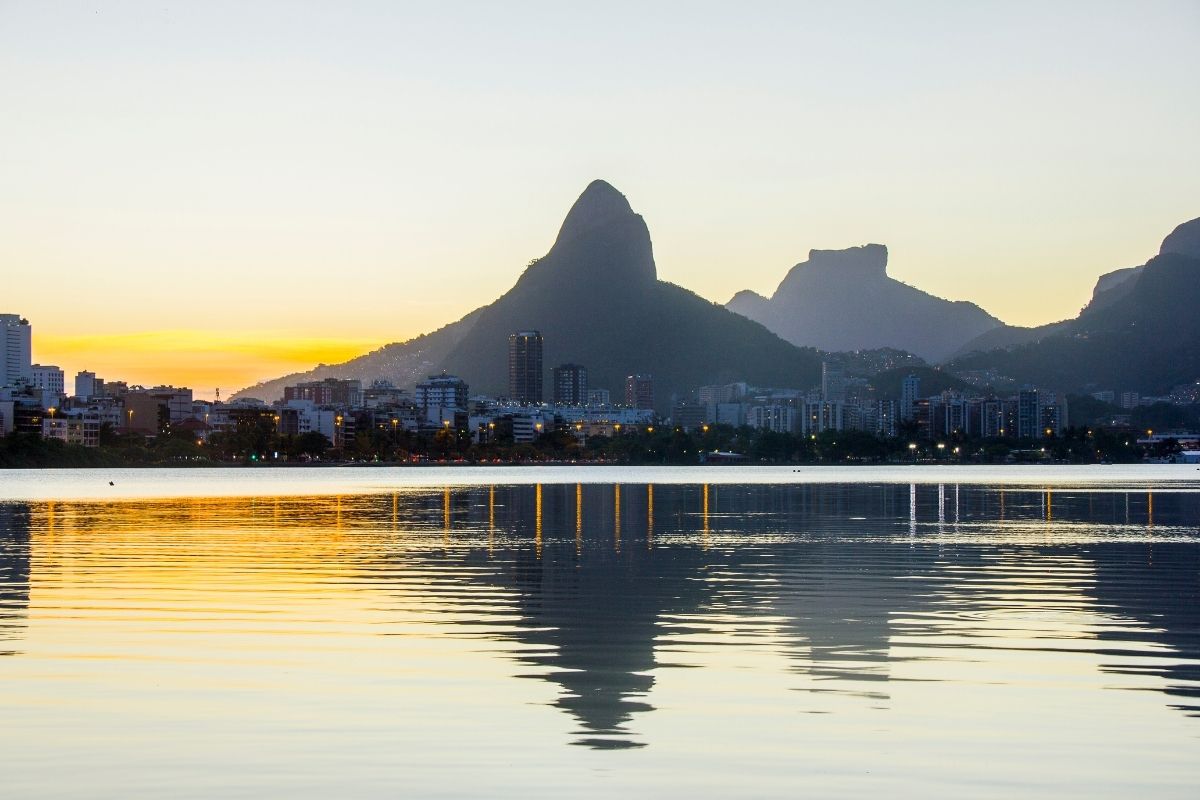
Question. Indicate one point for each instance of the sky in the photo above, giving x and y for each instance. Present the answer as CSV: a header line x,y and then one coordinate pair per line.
x,y
212,194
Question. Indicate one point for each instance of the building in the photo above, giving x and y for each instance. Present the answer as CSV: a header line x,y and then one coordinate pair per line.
x,y
689,416
599,397
16,351
833,383
776,418
910,392
716,394
821,416
49,378
525,366
570,385
1029,414
81,430
639,391
87,385
441,391
328,392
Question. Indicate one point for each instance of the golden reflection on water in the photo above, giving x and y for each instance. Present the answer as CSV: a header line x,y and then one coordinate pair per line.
x,y
853,629
649,515
578,519
617,517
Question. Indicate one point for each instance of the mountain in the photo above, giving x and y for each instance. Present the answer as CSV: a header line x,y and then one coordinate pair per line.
x,y
1140,332
596,298
845,300
1109,288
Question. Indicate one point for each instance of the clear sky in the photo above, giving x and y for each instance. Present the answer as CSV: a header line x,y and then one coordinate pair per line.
x,y
214,193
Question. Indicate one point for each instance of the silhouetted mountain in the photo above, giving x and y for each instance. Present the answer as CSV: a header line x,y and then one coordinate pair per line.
x,y
597,301
1141,332
1184,240
1110,287
844,300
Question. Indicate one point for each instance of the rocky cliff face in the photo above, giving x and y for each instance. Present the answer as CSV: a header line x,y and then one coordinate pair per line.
x,y
1184,240
845,300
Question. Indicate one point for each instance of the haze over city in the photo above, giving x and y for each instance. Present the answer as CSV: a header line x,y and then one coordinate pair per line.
x,y
242,191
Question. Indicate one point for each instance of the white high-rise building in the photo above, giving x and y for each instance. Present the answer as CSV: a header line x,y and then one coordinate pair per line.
x,y
50,378
16,350
87,385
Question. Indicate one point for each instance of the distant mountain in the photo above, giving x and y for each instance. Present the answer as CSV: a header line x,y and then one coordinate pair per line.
x,y
844,300
1140,332
596,298
1109,288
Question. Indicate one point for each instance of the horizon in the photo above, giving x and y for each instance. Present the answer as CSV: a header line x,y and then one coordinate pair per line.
x,y
199,178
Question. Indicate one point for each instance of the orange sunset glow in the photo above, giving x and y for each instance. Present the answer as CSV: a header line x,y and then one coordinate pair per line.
x,y
203,360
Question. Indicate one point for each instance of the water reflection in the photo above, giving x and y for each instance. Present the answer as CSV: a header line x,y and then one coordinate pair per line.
x,y
600,591
14,573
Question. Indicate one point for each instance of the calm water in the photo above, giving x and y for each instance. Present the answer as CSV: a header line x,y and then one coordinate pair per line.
x,y
574,632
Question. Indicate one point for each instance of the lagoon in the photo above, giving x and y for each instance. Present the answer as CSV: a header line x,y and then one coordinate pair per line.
x,y
591,631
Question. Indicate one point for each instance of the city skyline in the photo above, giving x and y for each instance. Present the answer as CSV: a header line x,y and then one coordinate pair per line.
x,y
240,193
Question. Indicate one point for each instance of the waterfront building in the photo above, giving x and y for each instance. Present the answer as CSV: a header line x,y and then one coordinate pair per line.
x,y
570,385
833,382
446,391
776,418
910,390
525,366
16,351
689,416
81,430
49,378
639,391
1029,414
327,392
599,397
87,385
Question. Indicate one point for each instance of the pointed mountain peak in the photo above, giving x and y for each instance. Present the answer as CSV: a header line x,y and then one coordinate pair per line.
x,y
599,205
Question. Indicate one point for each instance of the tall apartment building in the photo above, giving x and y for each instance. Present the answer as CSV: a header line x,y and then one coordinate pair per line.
x,y
570,385
1029,414
16,350
910,392
833,383
639,391
525,366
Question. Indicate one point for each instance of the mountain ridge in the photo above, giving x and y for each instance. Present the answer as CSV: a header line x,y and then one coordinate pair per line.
x,y
841,300
596,299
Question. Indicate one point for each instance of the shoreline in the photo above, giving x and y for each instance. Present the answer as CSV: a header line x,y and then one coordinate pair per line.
x,y
162,483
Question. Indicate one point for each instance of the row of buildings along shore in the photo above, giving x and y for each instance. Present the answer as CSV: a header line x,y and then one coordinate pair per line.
x,y
33,399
